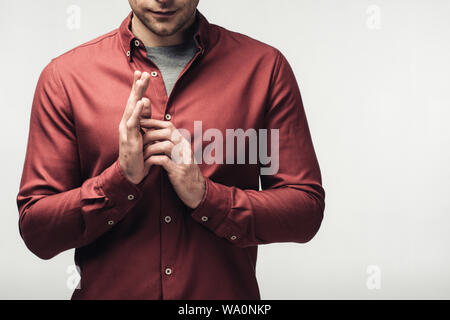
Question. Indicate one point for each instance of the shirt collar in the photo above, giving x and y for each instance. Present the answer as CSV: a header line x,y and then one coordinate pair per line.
x,y
129,42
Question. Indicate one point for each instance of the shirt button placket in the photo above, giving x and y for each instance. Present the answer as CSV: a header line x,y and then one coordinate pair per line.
x,y
169,228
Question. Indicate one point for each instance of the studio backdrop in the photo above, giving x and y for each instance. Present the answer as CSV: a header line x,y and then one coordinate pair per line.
x,y
374,78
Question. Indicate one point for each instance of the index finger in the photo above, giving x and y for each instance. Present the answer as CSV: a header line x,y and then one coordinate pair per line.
x,y
140,85
154,123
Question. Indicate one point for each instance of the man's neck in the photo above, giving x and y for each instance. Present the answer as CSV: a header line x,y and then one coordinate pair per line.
x,y
151,39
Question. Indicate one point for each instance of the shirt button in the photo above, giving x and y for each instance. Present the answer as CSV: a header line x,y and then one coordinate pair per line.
x,y
204,218
130,197
136,43
233,237
154,74
168,117
168,271
111,222
128,53
167,219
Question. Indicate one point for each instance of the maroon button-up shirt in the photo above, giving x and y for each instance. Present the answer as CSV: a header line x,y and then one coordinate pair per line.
x,y
141,241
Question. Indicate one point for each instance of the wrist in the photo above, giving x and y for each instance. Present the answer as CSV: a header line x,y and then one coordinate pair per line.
x,y
201,194
129,177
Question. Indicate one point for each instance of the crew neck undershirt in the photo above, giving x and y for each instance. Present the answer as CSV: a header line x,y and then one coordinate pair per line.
x,y
171,60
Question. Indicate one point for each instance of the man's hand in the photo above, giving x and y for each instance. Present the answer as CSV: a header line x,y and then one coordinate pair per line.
x,y
131,158
165,146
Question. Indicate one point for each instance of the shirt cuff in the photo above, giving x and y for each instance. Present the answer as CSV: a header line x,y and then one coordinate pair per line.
x,y
122,194
214,209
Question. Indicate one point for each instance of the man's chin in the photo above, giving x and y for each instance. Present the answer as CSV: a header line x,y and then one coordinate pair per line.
x,y
162,31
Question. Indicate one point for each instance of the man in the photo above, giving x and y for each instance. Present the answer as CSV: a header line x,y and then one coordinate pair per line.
x,y
99,174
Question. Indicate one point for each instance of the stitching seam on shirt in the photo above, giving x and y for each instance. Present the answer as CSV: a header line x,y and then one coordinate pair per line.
x,y
273,78
57,78
104,37
224,222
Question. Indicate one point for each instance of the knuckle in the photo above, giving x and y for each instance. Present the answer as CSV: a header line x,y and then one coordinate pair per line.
x,y
123,138
129,125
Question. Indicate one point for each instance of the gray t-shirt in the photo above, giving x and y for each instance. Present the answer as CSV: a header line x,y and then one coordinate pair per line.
x,y
171,60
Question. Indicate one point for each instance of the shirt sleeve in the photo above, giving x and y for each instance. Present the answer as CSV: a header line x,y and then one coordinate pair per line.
x,y
290,206
57,210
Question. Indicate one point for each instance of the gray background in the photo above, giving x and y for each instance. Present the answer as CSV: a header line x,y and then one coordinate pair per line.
x,y
374,77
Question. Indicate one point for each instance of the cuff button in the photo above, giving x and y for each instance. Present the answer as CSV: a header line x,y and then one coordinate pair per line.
x,y
233,237
204,218
130,197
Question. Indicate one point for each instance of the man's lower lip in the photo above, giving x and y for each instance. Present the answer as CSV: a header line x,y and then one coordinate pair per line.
x,y
163,15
